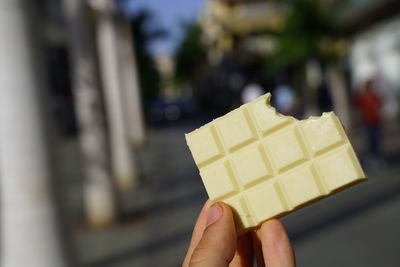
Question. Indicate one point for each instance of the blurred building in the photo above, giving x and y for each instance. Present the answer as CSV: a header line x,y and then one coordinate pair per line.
x,y
375,49
365,41
54,45
225,23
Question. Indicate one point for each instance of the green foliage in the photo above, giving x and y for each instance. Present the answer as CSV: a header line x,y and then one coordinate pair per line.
x,y
190,54
148,75
305,27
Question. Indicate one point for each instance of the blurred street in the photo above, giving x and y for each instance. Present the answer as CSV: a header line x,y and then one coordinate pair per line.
x,y
359,224
159,216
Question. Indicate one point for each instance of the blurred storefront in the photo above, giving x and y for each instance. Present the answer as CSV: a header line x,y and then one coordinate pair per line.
x,y
375,55
358,42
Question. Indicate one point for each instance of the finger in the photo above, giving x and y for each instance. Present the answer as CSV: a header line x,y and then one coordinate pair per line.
x,y
276,246
244,252
218,243
197,232
256,242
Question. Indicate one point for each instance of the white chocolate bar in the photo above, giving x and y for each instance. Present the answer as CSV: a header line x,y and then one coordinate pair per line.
x,y
264,164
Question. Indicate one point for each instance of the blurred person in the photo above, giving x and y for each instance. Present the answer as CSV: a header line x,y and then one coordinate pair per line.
x,y
251,91
215,244
284,99
369,104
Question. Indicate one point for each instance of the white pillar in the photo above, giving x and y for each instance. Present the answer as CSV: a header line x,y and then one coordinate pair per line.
x,y
340,97
29,235
98,189
313,74
130,83
122,162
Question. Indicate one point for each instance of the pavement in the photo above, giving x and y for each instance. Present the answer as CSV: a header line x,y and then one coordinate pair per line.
x,y
356,227
367,238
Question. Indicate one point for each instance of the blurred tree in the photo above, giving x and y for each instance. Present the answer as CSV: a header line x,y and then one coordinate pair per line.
x,y
191,55
310,37
143,36
211,85
306,26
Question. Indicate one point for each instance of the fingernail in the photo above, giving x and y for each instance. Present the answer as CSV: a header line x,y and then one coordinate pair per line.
x,y
214,213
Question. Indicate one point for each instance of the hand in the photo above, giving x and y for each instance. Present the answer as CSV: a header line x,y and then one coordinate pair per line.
x,y
214,242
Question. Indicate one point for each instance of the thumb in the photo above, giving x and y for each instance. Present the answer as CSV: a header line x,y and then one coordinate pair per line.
x,y
218,243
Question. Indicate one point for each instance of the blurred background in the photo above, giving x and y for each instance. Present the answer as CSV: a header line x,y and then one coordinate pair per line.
x,y
96,96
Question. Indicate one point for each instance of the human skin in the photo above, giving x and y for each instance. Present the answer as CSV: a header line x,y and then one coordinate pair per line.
x,y
214,242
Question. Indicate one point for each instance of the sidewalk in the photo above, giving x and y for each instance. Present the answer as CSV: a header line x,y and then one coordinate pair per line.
x,y
159,216
368,238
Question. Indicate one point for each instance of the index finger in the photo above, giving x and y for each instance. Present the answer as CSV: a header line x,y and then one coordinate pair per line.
x,y
198,231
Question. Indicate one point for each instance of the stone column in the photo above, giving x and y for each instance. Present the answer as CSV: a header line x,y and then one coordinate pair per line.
x,y
123,163
130,83
98,189
29,234
340,96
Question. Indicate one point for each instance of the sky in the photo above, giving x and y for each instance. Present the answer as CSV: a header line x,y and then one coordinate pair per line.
x,y
168,14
